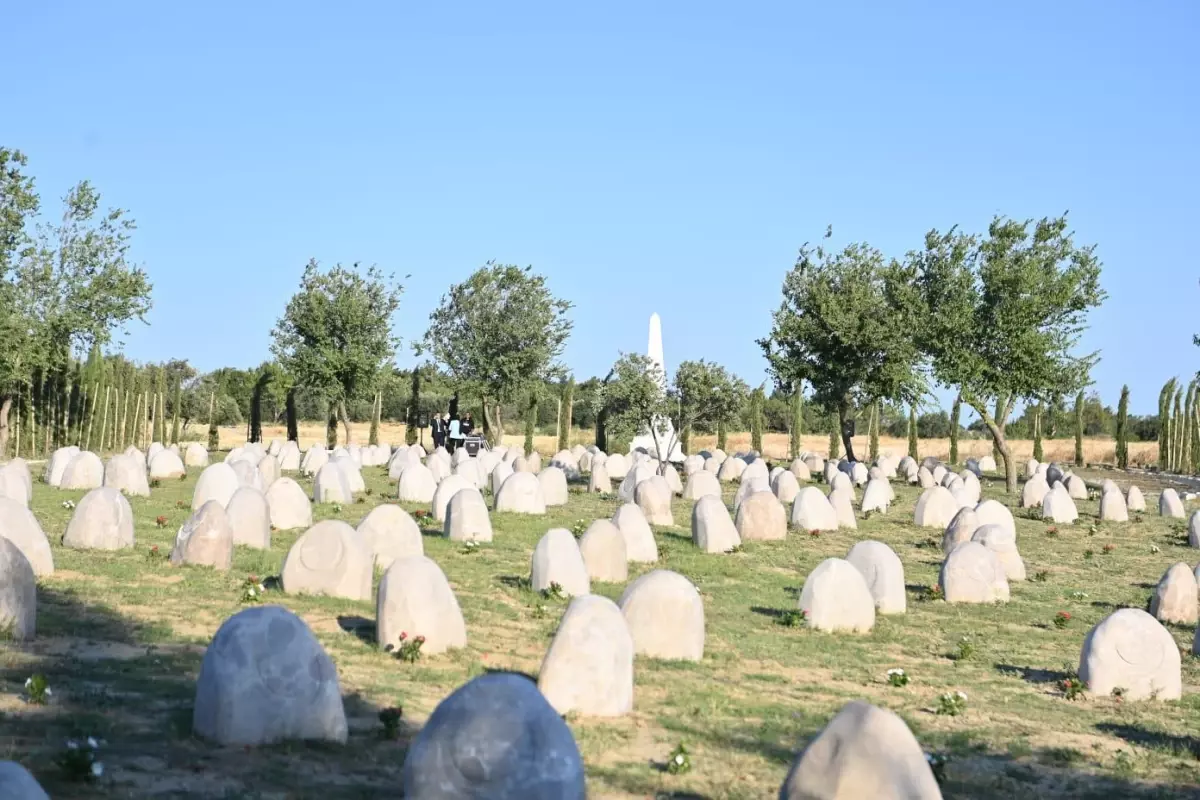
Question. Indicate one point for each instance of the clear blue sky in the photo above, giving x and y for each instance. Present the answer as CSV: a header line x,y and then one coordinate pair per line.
x,y
644,156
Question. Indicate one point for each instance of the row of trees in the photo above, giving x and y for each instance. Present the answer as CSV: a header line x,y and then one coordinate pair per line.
x,y
996,318
66,287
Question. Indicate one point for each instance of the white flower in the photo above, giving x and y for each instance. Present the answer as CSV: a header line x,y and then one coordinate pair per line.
x,y
961,695
28,682
92,743
97,769
250,592
895,671
679,759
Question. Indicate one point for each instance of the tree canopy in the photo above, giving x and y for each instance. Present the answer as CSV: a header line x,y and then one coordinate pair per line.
x,y
705,395
64,286
498,333
847,326
335,336
1004,314
634,401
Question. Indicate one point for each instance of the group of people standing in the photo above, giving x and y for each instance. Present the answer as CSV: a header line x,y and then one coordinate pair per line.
x,y
450,432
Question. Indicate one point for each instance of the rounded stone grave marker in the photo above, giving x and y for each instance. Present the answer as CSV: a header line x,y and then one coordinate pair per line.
x,y
1132,651
102,520
330,558
835,597
972,573
589,667
415,599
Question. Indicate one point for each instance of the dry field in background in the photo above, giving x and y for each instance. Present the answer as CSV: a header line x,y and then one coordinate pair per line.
x,y
775,445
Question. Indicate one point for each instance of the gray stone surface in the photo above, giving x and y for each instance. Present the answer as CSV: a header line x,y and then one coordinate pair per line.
x,y
713,531
125,474
84,471
603,549
389,533
961,528
521,494
102,520
495,738
249,518
700,484
467,517
330,558
416,484
1175,597
1001,541
589,666
266,679
206,539
289,505
884,573
665,614
554,486
835,597
20,526
415,599
1169,504
762,517
217,482
811,511
18,593
935,508
1131,650
972,573
166,465
17,784
640,544
864,752
556,559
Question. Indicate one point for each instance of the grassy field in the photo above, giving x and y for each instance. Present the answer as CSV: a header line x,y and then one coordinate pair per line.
x,y
121,635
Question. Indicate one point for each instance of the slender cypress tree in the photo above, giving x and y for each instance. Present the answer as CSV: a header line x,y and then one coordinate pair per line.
x,y
1195,415
756,420
955,416
1185,439
293,424
1123,429
564,416
1038,415
913,449
1164,424
177,402
530,422
876,414
413,423
794,441
160,424
1176,428
1079,429
214,435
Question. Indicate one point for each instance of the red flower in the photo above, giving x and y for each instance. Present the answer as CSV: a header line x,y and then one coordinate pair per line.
x,y
814,532
420,640
1064,615
403,636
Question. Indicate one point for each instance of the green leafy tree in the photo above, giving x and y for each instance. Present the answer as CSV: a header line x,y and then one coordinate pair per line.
x,y
64,286
1177,429
214,434
335,336
847,326
1004,314
1123,429
498,333
293,422
634,401
705,396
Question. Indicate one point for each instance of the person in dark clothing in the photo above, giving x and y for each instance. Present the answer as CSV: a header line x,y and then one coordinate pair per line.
x,y
467,425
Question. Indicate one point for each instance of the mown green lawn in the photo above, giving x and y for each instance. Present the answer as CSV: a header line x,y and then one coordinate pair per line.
x,y
121,635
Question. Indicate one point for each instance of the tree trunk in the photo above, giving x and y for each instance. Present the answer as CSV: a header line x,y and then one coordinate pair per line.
x,y
846,425
493,427
5,407
998,441
341,407
955,416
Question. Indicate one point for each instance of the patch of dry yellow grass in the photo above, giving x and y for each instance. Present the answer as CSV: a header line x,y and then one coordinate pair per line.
x,y
775,445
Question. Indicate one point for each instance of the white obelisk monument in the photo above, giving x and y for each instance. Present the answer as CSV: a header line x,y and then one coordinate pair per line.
x,y
662,440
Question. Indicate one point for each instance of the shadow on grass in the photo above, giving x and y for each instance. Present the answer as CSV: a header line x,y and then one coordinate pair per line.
x,y
132,686
1155,740
362,628
1032,674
